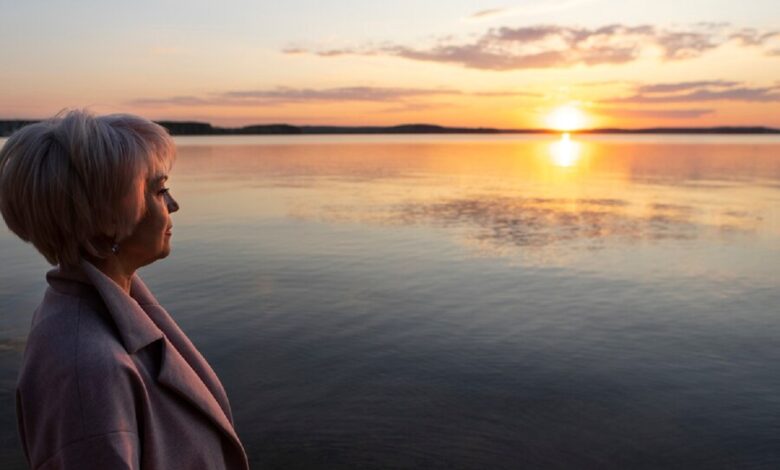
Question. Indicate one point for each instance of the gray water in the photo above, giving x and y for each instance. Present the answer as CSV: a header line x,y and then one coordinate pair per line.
x,y
470,301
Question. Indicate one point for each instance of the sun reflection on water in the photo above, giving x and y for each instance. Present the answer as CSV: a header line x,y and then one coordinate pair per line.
x,y
565,152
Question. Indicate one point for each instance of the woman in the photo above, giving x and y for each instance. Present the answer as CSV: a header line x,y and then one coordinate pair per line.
x,y
108,380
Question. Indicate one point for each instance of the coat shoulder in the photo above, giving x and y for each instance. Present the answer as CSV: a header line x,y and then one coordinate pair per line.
x,y
73,337
77,380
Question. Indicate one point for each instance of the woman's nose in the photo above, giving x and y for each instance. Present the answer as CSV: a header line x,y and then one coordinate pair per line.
x,y
173,206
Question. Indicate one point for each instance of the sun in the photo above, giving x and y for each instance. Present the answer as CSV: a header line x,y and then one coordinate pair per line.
x,y
566,118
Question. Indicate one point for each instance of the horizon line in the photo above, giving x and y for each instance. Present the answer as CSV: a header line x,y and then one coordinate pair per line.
x,y
191,127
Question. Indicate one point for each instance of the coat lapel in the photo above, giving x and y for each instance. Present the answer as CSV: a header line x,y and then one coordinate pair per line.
x,y
176,374
142,321
183,345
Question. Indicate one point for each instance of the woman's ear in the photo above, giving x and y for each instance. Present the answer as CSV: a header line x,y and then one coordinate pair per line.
x,y
99,246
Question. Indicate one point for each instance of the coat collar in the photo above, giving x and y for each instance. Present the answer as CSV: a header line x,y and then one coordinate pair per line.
x,y
136,329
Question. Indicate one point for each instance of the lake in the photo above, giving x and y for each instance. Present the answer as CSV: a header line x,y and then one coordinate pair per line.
x,y
471,301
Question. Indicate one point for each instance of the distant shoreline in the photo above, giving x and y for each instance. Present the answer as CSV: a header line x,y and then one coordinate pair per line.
x,y
7,127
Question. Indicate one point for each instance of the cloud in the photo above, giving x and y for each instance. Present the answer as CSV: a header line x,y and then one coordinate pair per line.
x,y
363,93
656,113
699,91
604,83
508,94
754,37
547,46
414,107
677,45
684,86
491,12
540,8
173,100
405,98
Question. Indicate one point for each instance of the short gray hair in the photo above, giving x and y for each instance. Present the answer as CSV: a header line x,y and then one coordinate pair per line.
x,y
67,182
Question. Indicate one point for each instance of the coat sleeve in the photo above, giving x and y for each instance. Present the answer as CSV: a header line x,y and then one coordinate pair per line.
x,y
113,451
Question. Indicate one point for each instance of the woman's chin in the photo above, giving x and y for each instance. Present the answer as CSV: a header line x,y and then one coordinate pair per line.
x,y
163,253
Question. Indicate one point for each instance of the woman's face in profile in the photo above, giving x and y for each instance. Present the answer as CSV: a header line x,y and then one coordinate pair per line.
x,y
151,239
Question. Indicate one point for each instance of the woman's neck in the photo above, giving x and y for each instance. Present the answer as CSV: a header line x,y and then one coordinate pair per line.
x,y
115,270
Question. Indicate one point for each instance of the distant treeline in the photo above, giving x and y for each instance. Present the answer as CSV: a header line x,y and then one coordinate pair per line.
x,y
203,128
200,128
8,127
687,130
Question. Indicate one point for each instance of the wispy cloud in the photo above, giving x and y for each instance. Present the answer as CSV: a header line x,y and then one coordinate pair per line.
x,y
489,13
173,100
360,93
754,37
405,98
294,50
547,46
699,91
505,94
414,107
684,86
665,114
283,95
538,8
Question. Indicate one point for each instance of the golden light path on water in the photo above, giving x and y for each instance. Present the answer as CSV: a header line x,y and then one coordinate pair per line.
x,y
565,152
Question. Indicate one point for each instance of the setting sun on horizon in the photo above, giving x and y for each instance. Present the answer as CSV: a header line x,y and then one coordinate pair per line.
x,y
566,118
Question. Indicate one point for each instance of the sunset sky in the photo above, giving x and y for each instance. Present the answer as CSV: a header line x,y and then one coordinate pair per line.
x,y
626,63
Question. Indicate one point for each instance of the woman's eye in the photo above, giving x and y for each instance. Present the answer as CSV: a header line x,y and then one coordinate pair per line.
x,y
164,191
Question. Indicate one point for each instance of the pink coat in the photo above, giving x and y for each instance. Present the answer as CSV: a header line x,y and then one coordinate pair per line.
x,y
109,381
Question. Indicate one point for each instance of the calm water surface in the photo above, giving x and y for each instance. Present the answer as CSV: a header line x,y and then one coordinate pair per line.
x,y
471,302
